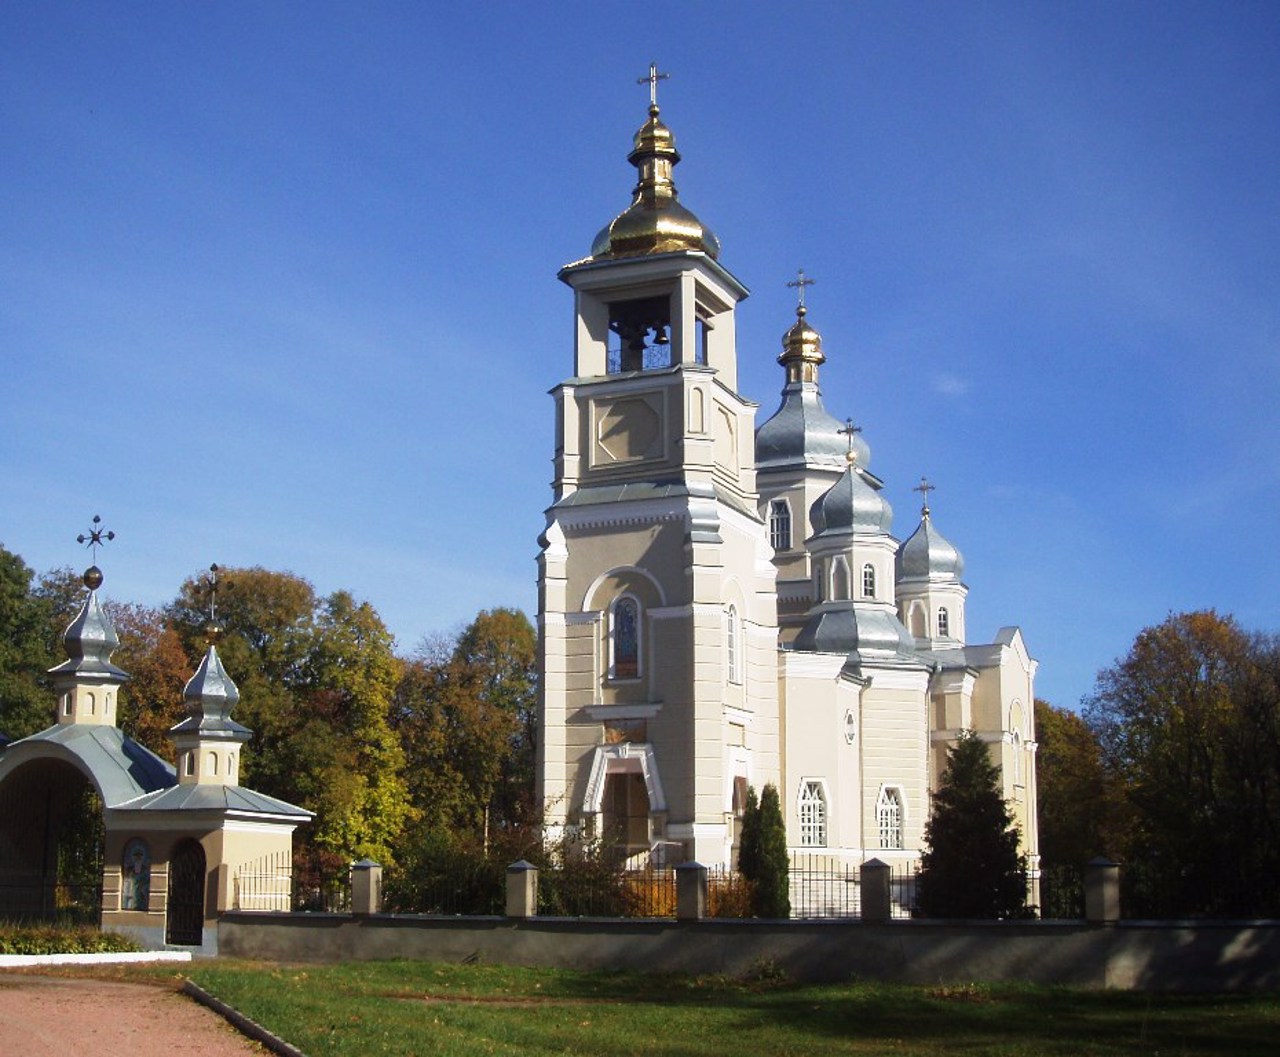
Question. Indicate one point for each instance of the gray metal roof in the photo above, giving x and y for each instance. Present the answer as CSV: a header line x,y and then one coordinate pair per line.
x,y
851,628
119,767
221,798
803,433
928,555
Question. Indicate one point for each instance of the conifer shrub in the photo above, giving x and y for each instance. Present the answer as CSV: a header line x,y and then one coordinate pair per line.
x,y
971,867
762,854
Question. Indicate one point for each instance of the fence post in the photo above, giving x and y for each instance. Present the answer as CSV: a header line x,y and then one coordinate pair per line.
x,y
1102,891
224,898
876,900
522,890
691,891
366,887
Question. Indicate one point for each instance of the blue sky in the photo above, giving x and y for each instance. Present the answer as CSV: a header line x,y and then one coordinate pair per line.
x,y
277,283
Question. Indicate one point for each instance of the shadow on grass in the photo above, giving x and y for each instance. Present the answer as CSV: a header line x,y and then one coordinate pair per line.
x,y
412,1007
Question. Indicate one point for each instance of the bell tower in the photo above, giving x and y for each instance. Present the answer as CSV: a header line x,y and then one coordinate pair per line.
x,y
657,612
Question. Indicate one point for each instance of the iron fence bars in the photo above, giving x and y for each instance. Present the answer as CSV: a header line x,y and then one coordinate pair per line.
x,y
592,890
1061,893
823,888
264,884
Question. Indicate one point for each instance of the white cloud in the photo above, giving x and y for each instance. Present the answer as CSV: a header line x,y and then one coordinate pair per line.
x,y
949,385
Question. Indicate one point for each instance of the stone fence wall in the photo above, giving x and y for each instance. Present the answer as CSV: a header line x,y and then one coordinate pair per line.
x,y
1202,956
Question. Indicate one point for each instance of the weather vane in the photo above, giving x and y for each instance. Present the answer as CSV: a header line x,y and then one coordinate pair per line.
x,y
924,488
652,78
849,431
799,283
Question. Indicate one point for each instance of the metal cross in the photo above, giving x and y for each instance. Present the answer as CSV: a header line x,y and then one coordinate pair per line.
x,y
800,282
924,488
653,78
96,538
849,430
213,594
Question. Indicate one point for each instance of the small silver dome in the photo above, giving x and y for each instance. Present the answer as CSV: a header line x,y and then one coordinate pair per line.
x,y
850,506
927,555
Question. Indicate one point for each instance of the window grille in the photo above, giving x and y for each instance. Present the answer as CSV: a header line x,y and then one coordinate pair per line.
x,y
813,816
944,623
889,818
868,581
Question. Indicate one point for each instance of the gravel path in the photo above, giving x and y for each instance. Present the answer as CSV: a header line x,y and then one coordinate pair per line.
x,y
45,1016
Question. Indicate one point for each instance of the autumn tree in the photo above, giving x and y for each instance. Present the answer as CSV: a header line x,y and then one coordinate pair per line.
x,y
316,678
971,867
1189,724
466,712
151,651
1076,810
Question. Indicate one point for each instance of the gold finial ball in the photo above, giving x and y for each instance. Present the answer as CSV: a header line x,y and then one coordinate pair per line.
x,y
213,632
92,578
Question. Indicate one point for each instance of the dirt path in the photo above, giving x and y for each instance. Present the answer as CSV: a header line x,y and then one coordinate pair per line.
x,y
45,1016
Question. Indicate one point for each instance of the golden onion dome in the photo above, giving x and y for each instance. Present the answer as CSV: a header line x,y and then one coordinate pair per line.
x,y
801,350
654,222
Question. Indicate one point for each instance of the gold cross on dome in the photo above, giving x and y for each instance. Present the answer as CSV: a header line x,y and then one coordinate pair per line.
x,y
96,538
924,488
799,283
653,77
849,431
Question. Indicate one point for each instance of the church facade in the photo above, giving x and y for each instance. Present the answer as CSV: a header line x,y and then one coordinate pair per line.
x,y
723,606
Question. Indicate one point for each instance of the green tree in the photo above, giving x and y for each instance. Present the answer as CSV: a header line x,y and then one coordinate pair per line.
x,y
1189,724
971,867
151,651
26,654
762,854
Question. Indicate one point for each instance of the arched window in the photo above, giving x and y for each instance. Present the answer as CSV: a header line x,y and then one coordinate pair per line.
x,y
624,639
92,703
813,815
733,644
66,704
780,525
868,581
190,764
819,593
889,817
839,578
1016,740
944,623
213,762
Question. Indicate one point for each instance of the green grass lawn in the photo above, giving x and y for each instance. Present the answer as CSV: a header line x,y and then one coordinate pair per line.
x,y
412,1008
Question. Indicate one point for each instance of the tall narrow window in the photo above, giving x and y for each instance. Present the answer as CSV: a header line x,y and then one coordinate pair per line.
x,y
626,639
1016,739
944,623
839,578
819,592
135,876
780,525
868,581
733,645
889,818
813,816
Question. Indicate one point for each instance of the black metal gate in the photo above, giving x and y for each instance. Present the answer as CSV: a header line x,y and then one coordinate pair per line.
x,y
184,918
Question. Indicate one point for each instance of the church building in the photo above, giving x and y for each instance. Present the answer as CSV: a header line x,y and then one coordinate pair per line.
x,y
723,606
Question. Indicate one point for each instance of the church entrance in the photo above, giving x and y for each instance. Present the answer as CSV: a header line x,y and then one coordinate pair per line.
x,y
51,839
184,919
626,818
